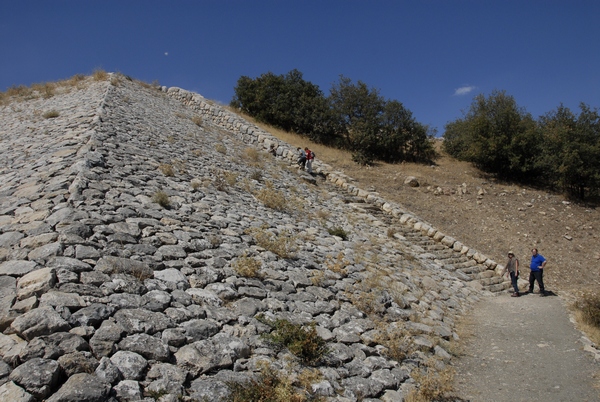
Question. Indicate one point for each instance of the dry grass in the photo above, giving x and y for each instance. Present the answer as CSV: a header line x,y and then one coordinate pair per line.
x,y
248,267
220,148
162,199
274,386
432,384
272,198
100,75
197,120
396,340
223,180
283,244
252,157
587,314
44,90
166,169
337,264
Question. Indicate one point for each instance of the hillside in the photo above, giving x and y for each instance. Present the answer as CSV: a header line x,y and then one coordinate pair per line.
x,y
496,217
488,215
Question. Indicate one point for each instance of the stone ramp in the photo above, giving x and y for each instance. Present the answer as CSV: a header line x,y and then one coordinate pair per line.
x,y
97,277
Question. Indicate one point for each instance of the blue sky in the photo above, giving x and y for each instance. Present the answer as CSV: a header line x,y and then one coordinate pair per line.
x,y
433,56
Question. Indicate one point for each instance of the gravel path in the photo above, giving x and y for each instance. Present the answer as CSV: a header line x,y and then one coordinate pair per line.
x,y
525,349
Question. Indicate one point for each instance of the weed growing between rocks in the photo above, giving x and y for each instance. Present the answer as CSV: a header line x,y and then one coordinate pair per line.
x,y
272,386
302,342
337,264
220,148
282,244
271,197
197,120
166,169
248,267
432,384
256,175
339,232
396,341
252,157
223,180
162,199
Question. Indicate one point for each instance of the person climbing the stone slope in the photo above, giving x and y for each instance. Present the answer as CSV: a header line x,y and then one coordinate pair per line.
x,y
301,158
309,159
538,262
512,269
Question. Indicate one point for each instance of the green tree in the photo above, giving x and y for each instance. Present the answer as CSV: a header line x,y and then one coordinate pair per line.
x,y
571,150
497,136
285,101
375,128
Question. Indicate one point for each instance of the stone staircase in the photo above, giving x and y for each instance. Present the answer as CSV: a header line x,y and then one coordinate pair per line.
x,y
465,267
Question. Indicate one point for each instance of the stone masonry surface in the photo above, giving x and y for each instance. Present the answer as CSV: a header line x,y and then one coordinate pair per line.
x,y
110,293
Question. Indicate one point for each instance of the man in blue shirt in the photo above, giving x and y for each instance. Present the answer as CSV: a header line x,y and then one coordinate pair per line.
x,y
538,262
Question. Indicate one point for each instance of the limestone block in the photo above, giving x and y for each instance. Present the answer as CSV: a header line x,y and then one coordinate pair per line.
x,y
448,241
36,283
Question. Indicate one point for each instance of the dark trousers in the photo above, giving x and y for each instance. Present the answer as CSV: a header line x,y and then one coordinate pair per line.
x,y
539,277
513,280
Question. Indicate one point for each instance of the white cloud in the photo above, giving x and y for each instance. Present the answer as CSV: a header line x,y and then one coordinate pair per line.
x,y
464,90
166,53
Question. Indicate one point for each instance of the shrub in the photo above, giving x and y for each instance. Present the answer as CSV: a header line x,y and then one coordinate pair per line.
x,y
302,342
247,267
51,114
338,231
162,199
166,169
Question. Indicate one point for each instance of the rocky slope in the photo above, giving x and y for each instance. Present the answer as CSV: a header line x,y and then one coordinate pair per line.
x,y
130,217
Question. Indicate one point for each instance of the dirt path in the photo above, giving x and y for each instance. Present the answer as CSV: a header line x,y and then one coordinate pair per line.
x,y
525,349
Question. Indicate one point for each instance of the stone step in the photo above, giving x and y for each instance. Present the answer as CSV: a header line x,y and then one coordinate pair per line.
x,y
474,269
499,287
485,274
451,260
491,281
467,264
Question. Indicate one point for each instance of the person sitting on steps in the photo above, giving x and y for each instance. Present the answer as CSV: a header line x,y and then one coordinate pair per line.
x,y
301,158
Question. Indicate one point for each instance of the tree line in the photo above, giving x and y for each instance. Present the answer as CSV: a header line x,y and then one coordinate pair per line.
x,y
353,116
560,150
